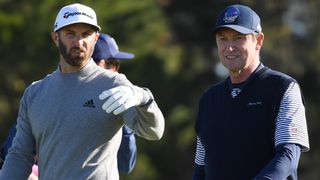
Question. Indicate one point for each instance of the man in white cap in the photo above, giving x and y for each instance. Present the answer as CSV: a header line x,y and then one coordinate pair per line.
x,y
107,55
72,118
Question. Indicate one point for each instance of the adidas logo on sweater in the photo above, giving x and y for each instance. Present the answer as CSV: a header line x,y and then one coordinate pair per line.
x,y
89,104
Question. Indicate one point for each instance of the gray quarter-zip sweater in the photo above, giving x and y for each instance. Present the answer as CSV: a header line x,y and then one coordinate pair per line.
x,y
61,120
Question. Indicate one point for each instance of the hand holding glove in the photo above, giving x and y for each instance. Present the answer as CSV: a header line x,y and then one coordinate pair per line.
x,y
122,98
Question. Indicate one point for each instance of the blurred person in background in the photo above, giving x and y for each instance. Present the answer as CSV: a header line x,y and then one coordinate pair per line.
x,y
5,148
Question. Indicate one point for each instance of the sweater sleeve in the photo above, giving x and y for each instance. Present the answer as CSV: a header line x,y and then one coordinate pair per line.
x,y
284,165
146,121
291,125
291,137
20,158
198,173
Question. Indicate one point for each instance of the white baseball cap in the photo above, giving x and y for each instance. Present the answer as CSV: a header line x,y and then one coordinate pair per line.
x,y
75,13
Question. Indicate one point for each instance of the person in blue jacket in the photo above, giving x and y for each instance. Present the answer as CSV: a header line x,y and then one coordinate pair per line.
x,y
7,144
106,55
252,125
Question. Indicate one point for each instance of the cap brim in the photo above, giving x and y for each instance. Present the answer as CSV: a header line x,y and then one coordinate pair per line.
x,y
240,29
123,55
76,22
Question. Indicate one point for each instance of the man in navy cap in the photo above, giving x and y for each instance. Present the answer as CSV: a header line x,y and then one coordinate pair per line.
x,y
107,55
252,125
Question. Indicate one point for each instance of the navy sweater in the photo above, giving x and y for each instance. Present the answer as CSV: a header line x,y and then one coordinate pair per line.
x,y
238,133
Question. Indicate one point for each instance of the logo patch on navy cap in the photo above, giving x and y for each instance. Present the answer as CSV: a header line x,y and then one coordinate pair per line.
x,y
231,15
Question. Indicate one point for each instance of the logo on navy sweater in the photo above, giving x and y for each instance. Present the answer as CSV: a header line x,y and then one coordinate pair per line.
x,y
89,104
258,103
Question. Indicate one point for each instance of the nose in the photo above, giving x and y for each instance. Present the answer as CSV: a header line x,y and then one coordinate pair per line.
x,y
78,40
230,47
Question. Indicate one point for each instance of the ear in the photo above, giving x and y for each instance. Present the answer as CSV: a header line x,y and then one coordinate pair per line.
x,y
96,37
55,38
102,63
260,38
113,68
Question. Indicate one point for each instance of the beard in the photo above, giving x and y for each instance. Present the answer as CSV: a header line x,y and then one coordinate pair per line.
x,y
75,59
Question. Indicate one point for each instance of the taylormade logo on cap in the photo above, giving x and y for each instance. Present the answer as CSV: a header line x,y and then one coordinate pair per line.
x,y
75,13
67,14
239,18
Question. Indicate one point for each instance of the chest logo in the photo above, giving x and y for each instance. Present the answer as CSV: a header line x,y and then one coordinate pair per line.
x,y
89,103
258,103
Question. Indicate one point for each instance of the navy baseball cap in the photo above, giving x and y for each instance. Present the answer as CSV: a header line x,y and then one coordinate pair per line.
x,y
106,48
239,18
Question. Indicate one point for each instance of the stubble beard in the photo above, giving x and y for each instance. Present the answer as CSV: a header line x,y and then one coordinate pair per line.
x,y
73,60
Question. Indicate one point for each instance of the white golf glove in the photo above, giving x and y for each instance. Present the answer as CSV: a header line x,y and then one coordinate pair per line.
x,y
122,98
